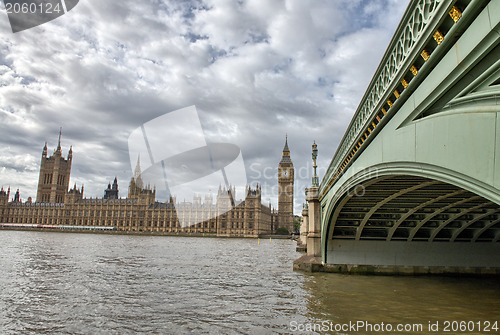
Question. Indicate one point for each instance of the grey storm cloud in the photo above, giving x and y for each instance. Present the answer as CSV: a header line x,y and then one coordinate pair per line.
x,y
255,70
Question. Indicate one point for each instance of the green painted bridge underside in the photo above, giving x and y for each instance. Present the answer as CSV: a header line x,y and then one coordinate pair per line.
x,y
428,183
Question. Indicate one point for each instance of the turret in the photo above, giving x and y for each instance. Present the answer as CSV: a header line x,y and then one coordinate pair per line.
x,y
4,197
73,195
112,191
44,152
17,196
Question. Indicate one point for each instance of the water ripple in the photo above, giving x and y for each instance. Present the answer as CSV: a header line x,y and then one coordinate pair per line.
x,y
99,284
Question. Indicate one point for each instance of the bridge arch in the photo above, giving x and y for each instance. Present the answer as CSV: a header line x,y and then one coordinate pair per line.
x,y
413,206
415,180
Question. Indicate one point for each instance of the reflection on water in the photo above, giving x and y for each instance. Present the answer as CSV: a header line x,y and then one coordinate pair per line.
x,y
64,283
341,299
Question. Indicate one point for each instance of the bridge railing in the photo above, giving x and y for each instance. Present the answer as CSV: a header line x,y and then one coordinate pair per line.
x,y
405,55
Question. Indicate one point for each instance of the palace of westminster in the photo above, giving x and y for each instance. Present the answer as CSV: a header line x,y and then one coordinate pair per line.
x,y
57,205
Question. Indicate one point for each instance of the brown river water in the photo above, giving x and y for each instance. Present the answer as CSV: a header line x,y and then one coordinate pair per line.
x,y
69,283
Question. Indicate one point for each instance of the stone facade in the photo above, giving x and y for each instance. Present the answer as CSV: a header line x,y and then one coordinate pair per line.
x,y
140,212
286,175
53,182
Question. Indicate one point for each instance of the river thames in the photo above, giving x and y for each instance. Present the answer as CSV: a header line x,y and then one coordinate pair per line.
x,y
67,283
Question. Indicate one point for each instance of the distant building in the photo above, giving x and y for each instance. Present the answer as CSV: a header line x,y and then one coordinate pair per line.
x,y
140,212
286,174
55,171
112,191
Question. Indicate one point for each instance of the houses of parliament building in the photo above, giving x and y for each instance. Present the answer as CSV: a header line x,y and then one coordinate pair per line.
x,y
58,206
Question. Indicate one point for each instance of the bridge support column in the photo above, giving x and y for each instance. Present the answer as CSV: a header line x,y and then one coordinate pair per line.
x,y
311,262
304,229
314,234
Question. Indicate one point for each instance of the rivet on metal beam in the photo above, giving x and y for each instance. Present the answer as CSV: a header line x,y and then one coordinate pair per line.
x,y
413,70
396,94
438,37
404,83
455,13
425,55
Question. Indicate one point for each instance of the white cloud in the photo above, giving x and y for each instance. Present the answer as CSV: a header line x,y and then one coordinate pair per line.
x,y
254,69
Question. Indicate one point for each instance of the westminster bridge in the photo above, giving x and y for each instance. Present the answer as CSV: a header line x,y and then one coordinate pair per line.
x,y
414,186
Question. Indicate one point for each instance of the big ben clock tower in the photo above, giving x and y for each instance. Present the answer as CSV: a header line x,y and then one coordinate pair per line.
x,y
285,184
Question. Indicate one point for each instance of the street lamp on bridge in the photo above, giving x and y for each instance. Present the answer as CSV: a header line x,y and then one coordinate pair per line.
x,y
315,179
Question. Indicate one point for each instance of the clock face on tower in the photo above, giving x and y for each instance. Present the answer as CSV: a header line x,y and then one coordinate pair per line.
x,y
285,191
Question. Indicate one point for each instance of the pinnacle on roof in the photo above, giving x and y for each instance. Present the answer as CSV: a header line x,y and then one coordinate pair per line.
x,y
59,141
285,158
137,173
286,144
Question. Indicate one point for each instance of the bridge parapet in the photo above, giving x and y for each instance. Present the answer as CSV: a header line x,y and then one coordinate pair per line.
x,y
428,29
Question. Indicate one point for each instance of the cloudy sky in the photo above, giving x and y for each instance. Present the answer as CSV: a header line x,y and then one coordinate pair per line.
x,y
255,70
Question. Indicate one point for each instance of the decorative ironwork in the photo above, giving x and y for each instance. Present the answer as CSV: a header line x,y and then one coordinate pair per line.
x,y
455,13
425,55
414,70
395,62
438,37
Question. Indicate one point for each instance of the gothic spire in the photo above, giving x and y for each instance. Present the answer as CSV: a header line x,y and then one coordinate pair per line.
x,y
59,142
137,173
44,152
285,149
285,158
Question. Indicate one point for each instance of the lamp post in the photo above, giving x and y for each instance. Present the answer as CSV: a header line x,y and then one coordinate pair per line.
x,y
315,179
